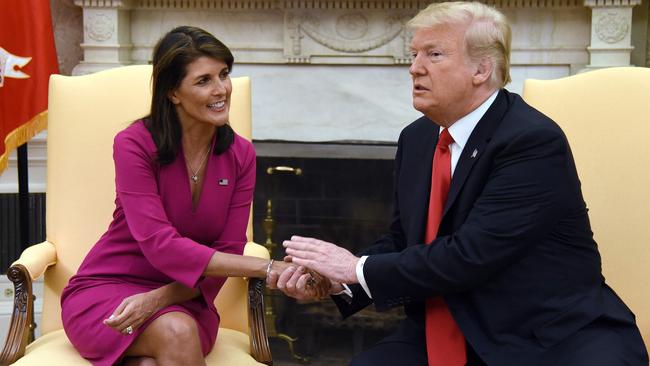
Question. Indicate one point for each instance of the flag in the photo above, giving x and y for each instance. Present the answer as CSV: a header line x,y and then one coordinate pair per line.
x,y
27,58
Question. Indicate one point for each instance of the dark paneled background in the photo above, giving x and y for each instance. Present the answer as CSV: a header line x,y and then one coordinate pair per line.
x,y
345,201
10,245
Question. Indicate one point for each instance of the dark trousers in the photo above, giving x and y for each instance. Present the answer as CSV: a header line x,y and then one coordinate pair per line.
x,y
405,347
605,342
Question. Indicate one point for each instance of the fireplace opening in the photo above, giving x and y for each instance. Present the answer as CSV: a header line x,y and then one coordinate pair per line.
x,y
337,192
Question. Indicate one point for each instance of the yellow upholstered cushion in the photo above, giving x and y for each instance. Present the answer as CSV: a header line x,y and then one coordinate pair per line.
x,y
54,349
232,348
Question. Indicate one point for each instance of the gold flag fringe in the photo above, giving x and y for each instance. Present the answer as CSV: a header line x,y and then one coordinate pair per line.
x,y
21,135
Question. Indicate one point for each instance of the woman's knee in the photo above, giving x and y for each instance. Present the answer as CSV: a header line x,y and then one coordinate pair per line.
x,y
166,335
177,327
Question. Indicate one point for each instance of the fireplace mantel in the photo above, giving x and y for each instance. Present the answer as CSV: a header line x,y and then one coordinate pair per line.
x,y
329,70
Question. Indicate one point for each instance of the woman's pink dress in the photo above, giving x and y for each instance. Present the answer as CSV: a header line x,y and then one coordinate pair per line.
x,y
158,237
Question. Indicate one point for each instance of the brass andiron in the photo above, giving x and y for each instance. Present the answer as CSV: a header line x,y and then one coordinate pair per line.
x,y
269,225
283,169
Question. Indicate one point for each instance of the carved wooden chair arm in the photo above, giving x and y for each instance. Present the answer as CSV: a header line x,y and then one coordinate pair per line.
x,y
31,265
20,329
259,340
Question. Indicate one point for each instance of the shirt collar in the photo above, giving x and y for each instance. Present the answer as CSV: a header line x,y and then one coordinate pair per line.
x,y
461,129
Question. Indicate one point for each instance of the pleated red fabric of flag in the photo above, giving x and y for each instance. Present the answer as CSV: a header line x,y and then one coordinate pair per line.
x,y
27,58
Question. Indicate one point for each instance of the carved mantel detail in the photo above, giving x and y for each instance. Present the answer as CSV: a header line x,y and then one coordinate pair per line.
x,y
351,34
340,35
103,3
309,55
611,43
362,5
107,42
366,32
611,3
352,26
100,27
611,27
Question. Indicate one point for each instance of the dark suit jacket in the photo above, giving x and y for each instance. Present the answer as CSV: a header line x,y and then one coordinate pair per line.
x,y
514,259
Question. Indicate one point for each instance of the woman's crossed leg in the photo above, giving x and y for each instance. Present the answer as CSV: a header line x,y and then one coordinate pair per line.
x,y
172,339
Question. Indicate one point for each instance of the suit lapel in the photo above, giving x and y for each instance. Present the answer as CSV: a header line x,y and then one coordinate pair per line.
x,y
475,146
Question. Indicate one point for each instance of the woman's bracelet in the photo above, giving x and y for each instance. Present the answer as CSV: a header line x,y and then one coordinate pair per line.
x,y
268,268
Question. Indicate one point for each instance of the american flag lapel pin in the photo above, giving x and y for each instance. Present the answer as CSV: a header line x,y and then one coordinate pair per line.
x,y
474,153
223,182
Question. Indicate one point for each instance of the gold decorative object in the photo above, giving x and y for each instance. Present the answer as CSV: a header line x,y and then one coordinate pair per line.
x,y
268,224
283,169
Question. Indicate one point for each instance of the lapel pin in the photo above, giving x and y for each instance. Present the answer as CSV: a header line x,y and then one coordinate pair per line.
x,y
474,153
223,182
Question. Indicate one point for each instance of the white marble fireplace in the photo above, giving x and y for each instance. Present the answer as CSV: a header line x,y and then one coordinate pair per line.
x,y
336,70
329,70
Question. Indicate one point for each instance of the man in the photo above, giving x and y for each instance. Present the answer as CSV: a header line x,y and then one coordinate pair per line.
x,y
490,249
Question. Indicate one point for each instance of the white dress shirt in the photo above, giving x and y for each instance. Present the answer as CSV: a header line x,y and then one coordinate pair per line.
x,y
460,132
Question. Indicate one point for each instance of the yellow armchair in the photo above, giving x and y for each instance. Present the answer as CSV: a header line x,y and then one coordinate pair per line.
x,y
606,117
85,113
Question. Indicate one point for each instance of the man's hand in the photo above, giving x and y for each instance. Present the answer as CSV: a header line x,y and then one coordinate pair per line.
x,y
329,260
133,311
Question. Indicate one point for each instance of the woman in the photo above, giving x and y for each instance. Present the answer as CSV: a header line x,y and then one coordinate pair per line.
x,y
144,295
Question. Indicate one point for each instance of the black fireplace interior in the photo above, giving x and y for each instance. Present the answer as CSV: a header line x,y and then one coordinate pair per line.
x,y
344,201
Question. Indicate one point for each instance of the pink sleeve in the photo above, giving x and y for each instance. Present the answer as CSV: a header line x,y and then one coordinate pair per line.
x,y
233,238
180,258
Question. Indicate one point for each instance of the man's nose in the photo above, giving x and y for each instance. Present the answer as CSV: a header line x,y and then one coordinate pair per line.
x,y
416,67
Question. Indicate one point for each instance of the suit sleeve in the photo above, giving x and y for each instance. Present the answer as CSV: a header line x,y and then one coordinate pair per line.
x,y
233,237
180,258
393,241
520,203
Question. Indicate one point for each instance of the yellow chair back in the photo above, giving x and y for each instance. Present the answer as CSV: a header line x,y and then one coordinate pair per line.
x,y
606,117
85,113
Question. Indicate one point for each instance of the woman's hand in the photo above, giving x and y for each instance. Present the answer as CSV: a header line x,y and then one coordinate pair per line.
x,y
299,282
133,311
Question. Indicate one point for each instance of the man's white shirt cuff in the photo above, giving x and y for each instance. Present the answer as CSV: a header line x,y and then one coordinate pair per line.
x,y
360,277
346,290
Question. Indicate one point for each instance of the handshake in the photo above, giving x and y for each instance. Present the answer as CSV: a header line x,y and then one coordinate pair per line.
x,y
312,269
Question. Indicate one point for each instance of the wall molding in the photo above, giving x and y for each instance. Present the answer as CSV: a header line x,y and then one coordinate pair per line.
x,y
247,5
124,4
612,3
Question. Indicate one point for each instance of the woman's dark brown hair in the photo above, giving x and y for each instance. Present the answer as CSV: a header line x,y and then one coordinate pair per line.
x,y
174,51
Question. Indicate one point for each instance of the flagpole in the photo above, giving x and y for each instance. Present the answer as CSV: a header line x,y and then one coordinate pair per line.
x,y
23,196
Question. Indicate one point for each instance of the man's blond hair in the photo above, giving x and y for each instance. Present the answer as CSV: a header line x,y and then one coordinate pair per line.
x,y
488,33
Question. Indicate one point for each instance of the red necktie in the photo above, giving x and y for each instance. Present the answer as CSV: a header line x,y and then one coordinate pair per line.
x,y
445,342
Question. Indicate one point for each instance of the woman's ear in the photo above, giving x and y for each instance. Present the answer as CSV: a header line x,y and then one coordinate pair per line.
x,y
173,98
483,72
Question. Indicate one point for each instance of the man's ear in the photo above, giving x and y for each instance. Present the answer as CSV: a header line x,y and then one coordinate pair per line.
x,y
483,72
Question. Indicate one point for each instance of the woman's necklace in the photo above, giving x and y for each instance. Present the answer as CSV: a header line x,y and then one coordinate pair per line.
x,y
195,173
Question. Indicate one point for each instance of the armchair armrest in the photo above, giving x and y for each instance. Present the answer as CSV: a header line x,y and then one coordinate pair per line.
x,y
37,258
259,341
31,265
